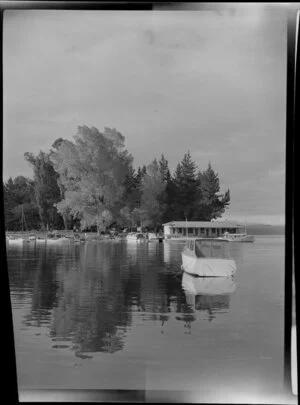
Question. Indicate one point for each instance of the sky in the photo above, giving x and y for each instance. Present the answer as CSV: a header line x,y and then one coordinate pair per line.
x,y
169,81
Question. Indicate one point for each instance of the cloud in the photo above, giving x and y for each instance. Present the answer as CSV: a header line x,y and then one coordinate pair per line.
x,y
168,81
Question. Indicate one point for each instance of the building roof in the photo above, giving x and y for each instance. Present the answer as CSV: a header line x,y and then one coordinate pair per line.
x,y
203,224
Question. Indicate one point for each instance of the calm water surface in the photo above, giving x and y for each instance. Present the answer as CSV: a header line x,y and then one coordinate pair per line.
x,y
116,315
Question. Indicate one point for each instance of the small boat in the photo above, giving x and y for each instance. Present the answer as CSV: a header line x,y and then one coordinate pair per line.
x,y
63,239
152,236
16,240
208,257
136,237
237,237
79,239
52,240
39,239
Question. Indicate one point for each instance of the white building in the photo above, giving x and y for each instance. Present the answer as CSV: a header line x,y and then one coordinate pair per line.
x,y
183,229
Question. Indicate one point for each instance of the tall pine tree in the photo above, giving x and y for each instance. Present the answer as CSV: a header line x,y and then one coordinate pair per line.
x,y
186,188
170,190
210,203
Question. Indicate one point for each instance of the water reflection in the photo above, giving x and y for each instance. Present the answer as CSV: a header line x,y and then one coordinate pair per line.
x,y
90,295
167,253
120,310
92,304
211,294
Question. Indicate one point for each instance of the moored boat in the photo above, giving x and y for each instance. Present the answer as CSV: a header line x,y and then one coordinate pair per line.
x,y
16,240
152,236
136,237
40,239
237,237
208,257
52,240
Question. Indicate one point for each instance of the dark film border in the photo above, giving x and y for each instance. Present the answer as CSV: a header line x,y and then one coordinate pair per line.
x,y
292,126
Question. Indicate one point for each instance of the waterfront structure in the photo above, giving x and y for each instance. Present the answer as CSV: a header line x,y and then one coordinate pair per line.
x,y
205,229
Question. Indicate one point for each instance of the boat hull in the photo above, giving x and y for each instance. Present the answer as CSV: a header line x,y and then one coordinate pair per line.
x,y
207,285
208,267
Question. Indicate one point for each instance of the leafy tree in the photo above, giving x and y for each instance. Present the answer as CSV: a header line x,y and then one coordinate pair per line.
x,y
19,199
67,218
46,189
93,171
153,196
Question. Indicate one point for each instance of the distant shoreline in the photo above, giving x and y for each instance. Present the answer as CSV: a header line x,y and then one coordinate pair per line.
x,y
255,229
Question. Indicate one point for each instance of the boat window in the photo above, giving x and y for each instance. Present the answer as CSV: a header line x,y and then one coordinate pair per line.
x,y
212,248
199,249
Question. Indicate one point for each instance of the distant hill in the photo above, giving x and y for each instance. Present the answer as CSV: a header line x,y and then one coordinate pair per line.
x,y
261,229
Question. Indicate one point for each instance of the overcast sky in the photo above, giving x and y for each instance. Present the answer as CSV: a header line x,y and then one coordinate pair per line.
x,y
168,81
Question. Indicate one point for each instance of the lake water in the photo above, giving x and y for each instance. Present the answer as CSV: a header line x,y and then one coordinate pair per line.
x,y
117,315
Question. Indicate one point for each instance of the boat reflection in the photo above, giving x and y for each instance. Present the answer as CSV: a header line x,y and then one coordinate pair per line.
x,y
211,294
167,253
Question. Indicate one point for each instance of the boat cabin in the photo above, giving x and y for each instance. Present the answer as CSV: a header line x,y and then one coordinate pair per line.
x,y
209,248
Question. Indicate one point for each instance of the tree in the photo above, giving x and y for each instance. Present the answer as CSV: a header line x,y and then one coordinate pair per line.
x,y
19,199
67,218
164,168
186,187
153,196
170,190
46,189
211,204
93,171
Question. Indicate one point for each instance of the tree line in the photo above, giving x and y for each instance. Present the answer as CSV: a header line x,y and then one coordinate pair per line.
x,y
91,182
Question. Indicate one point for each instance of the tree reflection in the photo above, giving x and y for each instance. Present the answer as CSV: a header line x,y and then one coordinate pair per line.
x,y
32,275
92,303
89,293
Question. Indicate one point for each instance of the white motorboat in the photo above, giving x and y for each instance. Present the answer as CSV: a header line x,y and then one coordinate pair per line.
x,y
208,257
237,237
